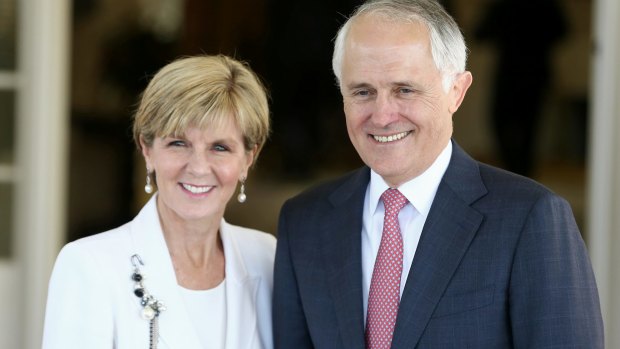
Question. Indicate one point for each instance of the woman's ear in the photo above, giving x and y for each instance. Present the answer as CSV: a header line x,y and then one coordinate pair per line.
x,y
459,88
251,156
146,151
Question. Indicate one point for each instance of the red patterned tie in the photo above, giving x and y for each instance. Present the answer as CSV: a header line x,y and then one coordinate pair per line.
x,y
384,295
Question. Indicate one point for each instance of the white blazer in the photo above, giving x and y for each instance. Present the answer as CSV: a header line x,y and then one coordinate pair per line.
x,y
91,303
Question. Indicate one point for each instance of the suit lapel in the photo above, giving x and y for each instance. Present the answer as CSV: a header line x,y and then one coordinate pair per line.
x,y
341,239
449,229
241,291
175,328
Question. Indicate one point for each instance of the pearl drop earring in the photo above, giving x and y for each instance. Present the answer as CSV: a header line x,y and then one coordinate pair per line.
x,y
148,188
242,197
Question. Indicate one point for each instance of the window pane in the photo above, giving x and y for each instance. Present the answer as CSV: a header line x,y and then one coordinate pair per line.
x,y
7,129
6,220
7,34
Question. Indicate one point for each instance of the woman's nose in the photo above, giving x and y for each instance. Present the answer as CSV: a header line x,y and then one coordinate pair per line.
x,y
199,163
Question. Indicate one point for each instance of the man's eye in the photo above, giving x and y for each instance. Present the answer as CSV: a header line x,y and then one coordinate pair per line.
x,y
361,93
405,90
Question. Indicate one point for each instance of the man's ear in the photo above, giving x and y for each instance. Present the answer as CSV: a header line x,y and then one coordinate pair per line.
x,y
459,88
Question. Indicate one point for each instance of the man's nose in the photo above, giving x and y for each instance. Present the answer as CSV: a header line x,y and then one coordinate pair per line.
x,y
386,110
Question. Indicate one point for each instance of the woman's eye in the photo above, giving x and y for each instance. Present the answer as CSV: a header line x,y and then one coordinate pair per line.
x,y
176,143
219,147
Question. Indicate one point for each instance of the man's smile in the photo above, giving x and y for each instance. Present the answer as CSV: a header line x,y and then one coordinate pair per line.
x,y
391,138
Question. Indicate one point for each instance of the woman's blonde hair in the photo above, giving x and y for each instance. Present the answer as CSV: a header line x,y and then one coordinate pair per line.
x,y
203,91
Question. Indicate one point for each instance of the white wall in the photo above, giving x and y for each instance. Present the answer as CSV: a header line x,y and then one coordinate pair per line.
x,y
604,166
41,166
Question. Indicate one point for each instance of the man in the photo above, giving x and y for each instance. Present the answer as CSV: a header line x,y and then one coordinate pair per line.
x,y
457,254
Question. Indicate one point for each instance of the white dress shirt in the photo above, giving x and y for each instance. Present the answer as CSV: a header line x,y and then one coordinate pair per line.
x,y
420,192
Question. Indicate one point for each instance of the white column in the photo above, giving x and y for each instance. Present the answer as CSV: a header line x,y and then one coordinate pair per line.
x,y
604,164
42,152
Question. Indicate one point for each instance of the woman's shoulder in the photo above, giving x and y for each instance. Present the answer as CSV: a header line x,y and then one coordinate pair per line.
x,y
98,247
100,240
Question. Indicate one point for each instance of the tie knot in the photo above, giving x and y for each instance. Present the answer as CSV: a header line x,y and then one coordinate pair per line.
x,y
394,201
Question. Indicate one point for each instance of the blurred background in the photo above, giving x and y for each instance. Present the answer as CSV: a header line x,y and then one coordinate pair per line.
x,y
533,77
544,103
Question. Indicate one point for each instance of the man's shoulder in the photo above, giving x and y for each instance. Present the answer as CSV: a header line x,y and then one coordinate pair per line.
x,y
465,171
507,188
329,189
497,178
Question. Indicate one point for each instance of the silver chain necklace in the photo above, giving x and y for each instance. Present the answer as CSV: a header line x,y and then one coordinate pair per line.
x,y
151,307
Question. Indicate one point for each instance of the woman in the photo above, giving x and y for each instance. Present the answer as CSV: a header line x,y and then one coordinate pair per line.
x,y
178,275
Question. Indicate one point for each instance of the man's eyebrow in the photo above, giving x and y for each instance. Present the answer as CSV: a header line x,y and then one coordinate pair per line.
x,y
402,83
356,85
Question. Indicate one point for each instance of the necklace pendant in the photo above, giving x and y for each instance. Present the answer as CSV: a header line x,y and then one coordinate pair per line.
x,y
148,313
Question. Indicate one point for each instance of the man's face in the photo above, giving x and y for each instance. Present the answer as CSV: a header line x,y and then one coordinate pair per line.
x,y
399,117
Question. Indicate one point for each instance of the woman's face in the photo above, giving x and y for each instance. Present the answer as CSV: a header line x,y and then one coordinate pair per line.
x,y
197,173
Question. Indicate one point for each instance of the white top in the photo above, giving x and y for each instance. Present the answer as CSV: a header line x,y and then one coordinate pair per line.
x,y
207,310
420,192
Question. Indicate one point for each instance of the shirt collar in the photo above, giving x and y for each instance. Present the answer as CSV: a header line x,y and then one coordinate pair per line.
x,y
420,191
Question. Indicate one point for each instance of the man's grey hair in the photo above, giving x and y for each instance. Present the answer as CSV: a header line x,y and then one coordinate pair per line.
x,y
447,43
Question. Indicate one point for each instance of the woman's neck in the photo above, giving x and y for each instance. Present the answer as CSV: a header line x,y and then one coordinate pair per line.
x,y
196,250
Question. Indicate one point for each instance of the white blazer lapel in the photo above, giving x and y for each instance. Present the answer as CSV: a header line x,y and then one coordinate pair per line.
x,y
175,327
241,292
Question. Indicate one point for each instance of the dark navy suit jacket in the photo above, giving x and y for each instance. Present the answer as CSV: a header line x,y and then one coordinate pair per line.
x,y
500,264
